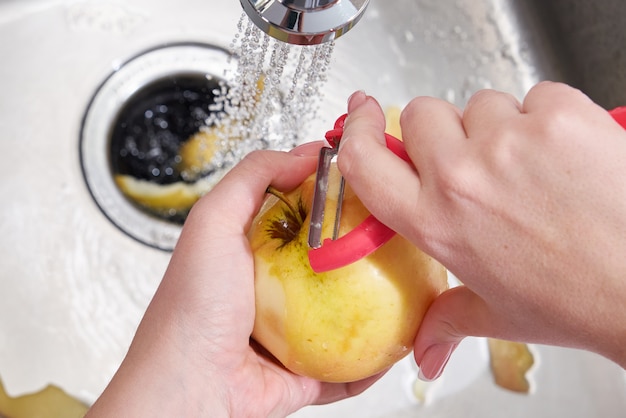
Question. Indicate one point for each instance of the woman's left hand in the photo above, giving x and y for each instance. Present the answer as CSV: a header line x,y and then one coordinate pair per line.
x,y
192,354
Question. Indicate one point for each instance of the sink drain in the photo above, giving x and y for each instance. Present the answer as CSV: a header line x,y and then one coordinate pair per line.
x,y
135,132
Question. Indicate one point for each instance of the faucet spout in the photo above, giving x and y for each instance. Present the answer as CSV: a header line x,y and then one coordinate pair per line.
x,y
305,22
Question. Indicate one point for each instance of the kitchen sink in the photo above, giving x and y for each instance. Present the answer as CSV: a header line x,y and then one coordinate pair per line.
x,y
74,282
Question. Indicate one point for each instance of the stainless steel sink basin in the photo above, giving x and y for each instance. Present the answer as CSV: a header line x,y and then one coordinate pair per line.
x,y
589,38
73,286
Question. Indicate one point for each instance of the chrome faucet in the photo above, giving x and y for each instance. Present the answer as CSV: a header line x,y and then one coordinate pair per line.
x,y
305,22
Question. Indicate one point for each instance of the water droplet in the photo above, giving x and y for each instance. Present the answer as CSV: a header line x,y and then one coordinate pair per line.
x,y
274,94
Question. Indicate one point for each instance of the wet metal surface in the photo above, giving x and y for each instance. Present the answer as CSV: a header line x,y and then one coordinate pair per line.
x,y
73,287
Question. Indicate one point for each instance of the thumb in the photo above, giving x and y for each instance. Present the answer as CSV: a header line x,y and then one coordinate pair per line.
x,y
455,314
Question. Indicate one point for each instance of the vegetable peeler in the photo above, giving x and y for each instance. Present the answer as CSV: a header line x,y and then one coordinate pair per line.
x,y
371,234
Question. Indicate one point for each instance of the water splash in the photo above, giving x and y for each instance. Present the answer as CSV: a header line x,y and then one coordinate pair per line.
x,y
275,93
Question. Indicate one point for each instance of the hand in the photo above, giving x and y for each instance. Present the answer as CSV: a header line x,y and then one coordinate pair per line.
x,y
524,202
192,354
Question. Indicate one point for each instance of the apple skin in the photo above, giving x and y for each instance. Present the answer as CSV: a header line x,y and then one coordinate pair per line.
x,y
343,325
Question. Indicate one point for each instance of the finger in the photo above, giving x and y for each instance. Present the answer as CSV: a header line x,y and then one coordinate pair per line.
x,y
305,391
239,195
432,130
333,392
547,96
486,110
455,314
215,230
558,101
308,149
385,183
216,226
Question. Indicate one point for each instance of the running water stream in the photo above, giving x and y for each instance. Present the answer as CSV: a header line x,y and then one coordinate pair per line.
x,y
275,93
177,137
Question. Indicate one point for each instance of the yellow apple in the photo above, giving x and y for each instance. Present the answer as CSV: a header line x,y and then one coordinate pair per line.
x,y
342,325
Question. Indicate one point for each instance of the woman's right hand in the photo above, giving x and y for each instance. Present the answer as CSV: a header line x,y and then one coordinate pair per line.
x,y
524,202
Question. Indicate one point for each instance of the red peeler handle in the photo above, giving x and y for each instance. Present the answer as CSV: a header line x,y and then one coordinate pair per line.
x,y
619,114
371,234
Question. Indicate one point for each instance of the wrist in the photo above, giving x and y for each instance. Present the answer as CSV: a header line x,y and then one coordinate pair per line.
x,y
605,318
162,376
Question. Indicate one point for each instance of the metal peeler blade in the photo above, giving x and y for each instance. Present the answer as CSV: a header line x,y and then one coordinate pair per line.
x,y
327,157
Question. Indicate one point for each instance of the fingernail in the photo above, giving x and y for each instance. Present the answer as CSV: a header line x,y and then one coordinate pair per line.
x,y
356,99
308,149
434,361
